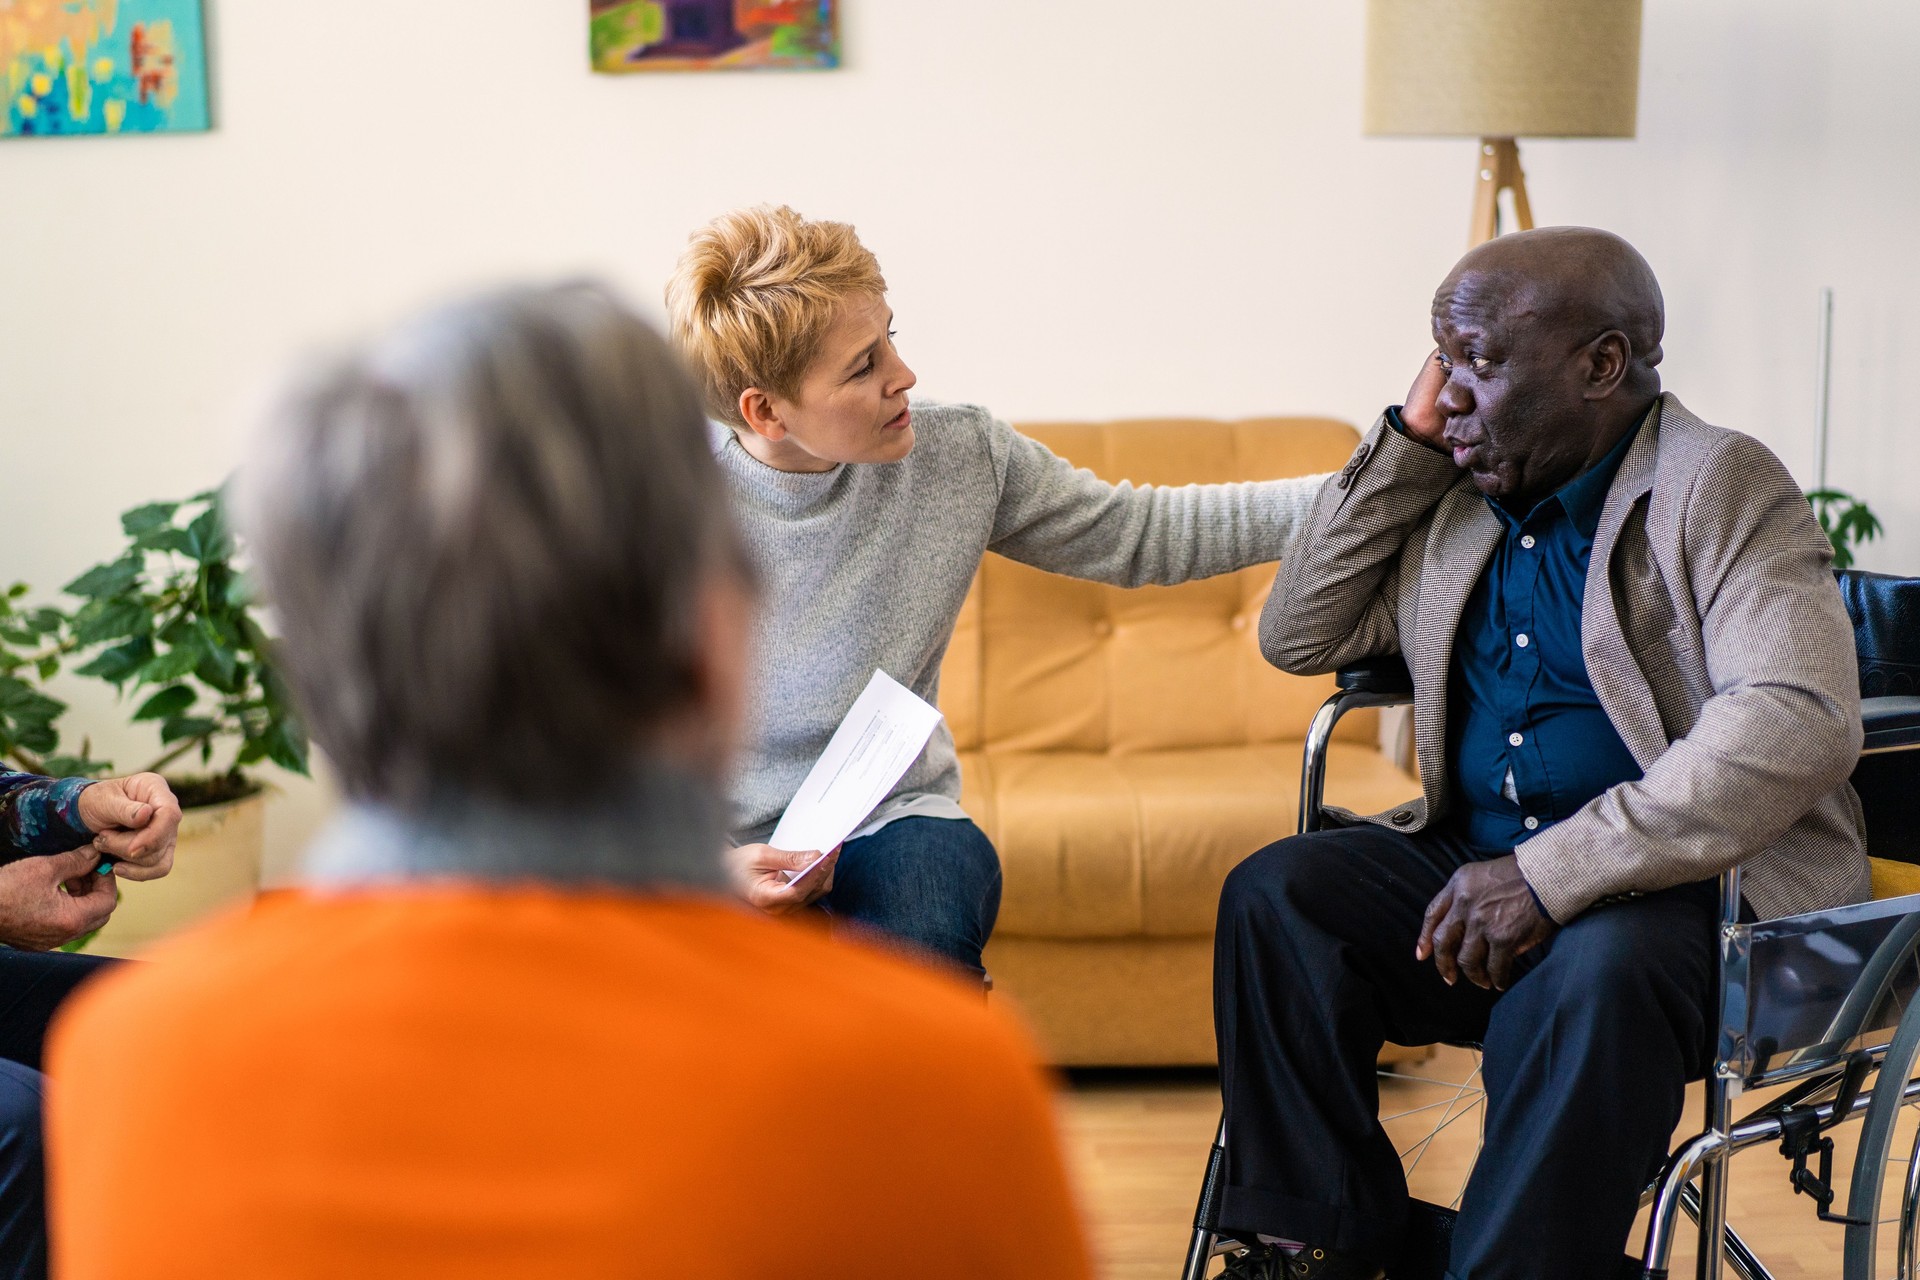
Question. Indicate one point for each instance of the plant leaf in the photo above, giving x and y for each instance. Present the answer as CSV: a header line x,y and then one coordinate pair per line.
x,y
286,746
208,536
167,704
187,727
174,663
144,520
75,766
218,667
107,579
102,620
117,664
167,539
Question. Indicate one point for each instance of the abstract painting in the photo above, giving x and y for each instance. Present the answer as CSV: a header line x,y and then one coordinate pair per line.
x,y
712,35
102,66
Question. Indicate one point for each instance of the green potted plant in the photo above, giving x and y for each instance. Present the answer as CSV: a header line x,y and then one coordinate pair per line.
x,y
1845,520
169,623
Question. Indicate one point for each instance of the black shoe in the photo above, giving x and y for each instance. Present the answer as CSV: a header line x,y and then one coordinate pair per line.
x,y
1259,1262
1254,1262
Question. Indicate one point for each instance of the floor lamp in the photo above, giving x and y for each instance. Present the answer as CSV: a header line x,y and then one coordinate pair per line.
x,y
1500,70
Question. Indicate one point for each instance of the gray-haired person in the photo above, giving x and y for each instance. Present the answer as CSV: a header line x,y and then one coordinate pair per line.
x,y
513,1024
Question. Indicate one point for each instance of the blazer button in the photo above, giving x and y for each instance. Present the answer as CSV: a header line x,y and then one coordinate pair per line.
x,y
1402,817
1360,456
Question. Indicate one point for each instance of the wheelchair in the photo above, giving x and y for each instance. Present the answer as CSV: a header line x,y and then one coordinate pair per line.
x,y
1818,1010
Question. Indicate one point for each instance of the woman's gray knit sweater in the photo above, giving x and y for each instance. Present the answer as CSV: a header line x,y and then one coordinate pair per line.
x,y
866,566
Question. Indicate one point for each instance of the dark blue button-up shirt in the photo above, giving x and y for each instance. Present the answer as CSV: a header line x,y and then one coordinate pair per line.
x,y
1528,740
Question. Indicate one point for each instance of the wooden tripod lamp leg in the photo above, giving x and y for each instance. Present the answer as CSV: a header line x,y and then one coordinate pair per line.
x,y
1497,169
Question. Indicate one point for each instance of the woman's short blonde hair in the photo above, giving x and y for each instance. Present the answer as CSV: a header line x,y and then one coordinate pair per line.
x,y
753,296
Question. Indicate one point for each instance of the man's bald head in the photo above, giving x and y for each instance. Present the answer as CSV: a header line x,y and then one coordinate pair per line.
x,y
1552,340
1577,282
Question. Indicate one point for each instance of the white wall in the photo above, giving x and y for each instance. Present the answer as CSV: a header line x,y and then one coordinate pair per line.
x,y
1162,208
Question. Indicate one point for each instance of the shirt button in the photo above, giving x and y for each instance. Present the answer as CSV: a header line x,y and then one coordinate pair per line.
x,y
1521,639
1527,542
1531,824
1515,739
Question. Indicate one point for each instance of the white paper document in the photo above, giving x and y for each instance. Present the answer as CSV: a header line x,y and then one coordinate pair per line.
x,y
882,735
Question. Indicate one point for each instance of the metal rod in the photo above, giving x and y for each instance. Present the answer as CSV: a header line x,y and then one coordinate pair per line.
x,y
1665,1195
1665,1219
1719,1121
1713,1184
1746,1264
1313,759
1904,1265
1823,390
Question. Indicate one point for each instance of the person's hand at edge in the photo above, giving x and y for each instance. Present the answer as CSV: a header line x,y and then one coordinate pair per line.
x,y
50,900
135,821
759,875
1481,922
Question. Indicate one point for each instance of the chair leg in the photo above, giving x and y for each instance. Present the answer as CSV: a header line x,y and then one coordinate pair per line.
x,y
1206,1214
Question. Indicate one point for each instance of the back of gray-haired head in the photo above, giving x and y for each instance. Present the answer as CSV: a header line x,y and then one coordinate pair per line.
x,y
485,535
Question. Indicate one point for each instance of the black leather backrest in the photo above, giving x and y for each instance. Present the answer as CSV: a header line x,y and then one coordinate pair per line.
x,y
1886,630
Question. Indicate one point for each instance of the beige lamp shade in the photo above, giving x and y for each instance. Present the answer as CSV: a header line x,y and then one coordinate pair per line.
x,y
1503,68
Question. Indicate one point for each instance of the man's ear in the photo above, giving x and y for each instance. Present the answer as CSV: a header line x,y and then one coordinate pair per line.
x,y
1609,358
760,414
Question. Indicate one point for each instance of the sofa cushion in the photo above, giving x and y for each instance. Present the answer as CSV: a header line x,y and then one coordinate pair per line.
x,y
1073,828
1046,663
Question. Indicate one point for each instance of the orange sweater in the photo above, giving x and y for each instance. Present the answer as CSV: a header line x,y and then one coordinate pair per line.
x,y
466,1082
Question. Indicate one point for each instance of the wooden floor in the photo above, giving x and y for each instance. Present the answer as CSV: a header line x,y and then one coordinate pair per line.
x,y
1139,1143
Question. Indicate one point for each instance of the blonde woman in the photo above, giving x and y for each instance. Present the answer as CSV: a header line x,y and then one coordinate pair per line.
x,y
867,513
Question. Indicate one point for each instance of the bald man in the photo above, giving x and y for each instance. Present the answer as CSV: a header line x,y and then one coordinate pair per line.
x,y
1632,671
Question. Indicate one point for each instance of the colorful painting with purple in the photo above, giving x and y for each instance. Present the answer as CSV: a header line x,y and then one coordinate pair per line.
x,y
712,35
102,66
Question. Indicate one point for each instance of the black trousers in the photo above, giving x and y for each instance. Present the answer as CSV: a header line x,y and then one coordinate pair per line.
x,y
32,987
1585,1057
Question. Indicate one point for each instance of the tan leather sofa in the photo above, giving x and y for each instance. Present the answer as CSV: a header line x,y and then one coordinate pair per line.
x,y
1124,749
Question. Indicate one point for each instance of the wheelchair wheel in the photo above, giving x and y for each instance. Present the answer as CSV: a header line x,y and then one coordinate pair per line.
x,y
1425,1111
1885,1193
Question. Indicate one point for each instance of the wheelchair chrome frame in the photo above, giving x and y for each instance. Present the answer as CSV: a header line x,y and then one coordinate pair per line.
x,y
1704,1159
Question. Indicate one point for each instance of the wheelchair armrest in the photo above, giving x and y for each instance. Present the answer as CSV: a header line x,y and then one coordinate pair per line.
x,y
1891,723
1385,675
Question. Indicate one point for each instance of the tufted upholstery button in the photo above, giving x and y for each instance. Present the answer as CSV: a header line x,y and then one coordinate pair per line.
x,y
1401,817
1239,622
1103,628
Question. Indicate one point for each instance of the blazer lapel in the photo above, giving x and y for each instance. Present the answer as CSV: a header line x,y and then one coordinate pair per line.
x,y
1615,673
1464,535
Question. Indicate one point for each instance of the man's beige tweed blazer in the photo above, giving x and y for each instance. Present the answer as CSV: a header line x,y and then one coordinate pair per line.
x,y
1712,631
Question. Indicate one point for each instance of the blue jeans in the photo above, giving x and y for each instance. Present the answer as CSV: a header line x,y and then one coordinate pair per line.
x,y
32,987
932,883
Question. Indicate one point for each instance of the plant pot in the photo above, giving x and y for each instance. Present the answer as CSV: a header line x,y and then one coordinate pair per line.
x,y
216,864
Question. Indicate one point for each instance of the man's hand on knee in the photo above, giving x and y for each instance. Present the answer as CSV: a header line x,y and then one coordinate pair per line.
x,y
1481,922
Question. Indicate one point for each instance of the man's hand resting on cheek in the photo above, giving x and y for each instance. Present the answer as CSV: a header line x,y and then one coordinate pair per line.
x,y
49,900
1421,415
1481,922
759,874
